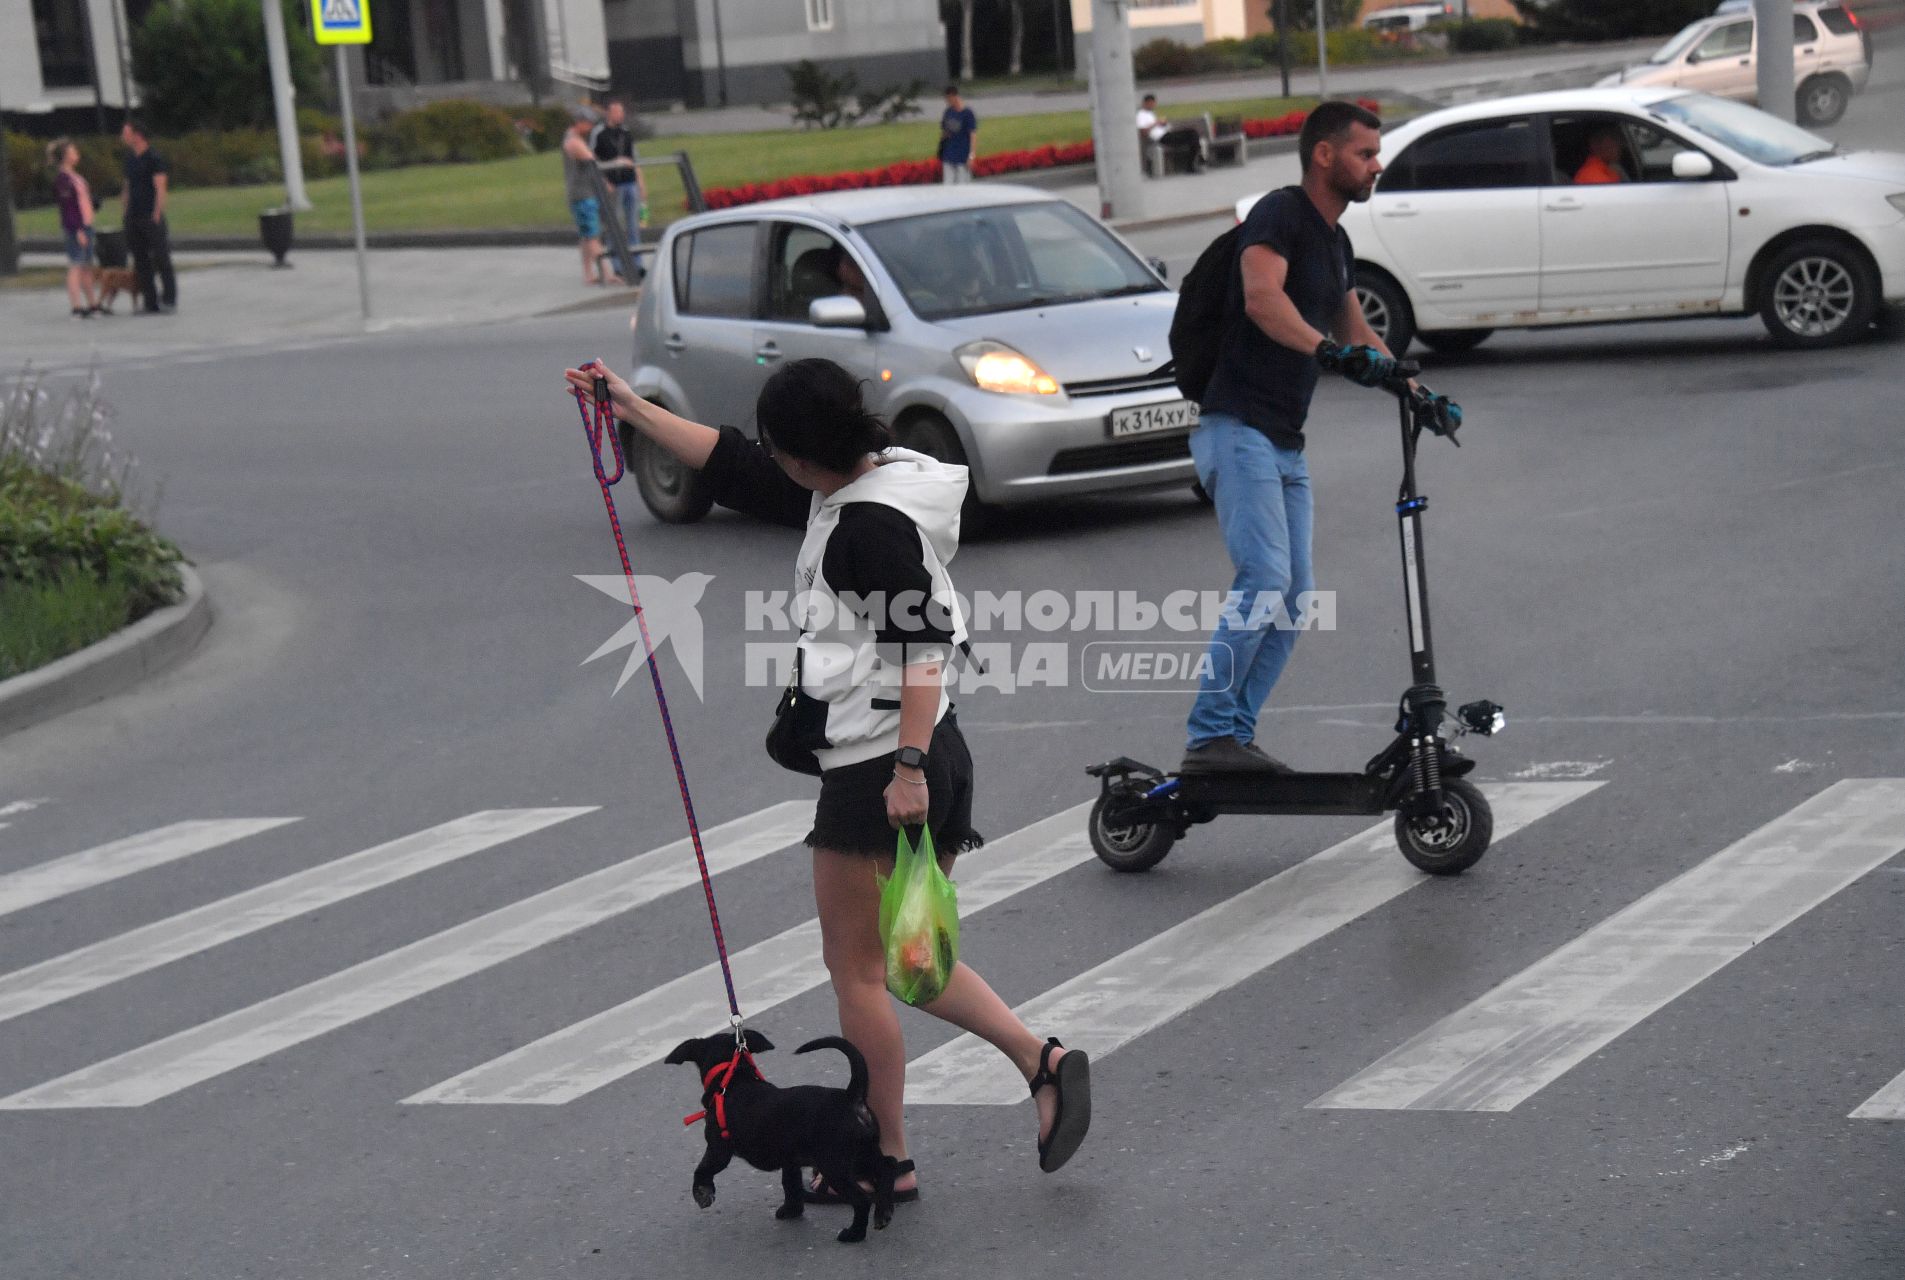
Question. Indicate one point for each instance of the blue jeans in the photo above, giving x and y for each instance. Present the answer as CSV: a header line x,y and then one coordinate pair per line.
x,y
630,197
1262,496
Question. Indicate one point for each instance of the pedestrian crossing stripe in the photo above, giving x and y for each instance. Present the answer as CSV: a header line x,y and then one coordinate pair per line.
x,y
341,21
1526,1033
101,864
1701,921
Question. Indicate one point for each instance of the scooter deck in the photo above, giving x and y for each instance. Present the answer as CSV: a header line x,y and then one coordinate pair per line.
x,y
1284,793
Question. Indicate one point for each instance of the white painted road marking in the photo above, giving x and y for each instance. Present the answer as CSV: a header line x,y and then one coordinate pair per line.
x,y
1526,1033
180,1061
1174,972
164,941
587,1055
89,867
1887,1104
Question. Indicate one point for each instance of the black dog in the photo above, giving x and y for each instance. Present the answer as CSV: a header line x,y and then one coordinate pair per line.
x,y
787,1129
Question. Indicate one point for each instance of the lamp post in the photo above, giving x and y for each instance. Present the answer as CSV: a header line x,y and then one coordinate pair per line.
x,y
720,56
9,247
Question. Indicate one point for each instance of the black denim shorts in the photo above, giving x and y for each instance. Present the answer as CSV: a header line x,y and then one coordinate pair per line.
x,y
851,815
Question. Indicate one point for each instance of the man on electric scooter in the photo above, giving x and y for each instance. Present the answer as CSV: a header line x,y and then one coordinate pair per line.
x,y
1297,273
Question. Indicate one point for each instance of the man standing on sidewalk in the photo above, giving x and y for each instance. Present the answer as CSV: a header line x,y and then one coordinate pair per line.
x,y
958,130
148,187
614,147
1297,275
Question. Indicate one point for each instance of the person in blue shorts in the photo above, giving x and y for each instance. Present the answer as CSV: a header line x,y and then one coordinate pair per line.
x,y
579,183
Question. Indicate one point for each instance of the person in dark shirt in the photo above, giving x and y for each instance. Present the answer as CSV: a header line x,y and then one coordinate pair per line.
x,y
148,188
75,200
879,524
958,134
1296,273
614,148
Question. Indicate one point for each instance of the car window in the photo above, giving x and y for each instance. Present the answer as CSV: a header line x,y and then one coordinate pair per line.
x,y
720,272
973,261
1803,30
1735,38
801,269
1747,130
1674,48
1495,153
1838,21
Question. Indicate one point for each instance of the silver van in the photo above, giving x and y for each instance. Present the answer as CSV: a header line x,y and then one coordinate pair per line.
x,y
994,325
1832,59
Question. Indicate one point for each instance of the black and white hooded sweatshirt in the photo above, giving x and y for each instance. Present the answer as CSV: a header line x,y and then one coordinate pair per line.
x,y
871,591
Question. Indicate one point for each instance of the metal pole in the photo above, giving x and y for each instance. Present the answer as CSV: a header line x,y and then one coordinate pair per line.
x,y
1773,47
1058,41
1114,113
720,55
92,57
350,166
281,100
1322,52
9,247
119,55
1283,43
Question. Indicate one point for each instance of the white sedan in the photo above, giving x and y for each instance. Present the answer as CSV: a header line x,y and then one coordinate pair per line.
x,y
1478,222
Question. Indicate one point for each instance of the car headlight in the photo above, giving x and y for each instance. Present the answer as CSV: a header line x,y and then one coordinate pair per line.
x,y
1897,201
993,366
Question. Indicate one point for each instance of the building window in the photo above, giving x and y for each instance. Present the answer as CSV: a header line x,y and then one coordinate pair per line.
x,y
819,15
62,40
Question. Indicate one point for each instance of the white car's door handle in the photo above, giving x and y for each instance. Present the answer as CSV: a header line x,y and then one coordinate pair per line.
x,y
675,344
1565,206
767,351
1398,213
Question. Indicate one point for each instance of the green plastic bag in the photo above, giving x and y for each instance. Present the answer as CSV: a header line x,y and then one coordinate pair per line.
x,y
919,923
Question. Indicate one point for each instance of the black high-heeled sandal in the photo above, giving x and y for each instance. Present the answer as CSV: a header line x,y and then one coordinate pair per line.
x,y
818,1192
1071,1084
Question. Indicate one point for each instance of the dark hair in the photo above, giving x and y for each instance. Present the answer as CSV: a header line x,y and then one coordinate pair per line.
x,y
1150,97
137,125
952,90
813,410
1331,122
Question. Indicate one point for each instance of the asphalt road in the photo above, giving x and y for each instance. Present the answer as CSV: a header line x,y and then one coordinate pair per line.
x,y
1670,550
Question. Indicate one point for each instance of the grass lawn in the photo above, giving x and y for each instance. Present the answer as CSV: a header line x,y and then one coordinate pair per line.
x,y
526,191
42,622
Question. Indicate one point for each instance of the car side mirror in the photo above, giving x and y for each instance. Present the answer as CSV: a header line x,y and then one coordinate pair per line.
x,y
842,312
1160,266
1691,166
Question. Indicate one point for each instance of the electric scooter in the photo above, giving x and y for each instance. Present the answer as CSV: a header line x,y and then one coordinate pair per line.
x,y
1443,822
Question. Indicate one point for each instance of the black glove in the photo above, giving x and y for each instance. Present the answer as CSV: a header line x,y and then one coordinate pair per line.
x,y
1437,413
1363,365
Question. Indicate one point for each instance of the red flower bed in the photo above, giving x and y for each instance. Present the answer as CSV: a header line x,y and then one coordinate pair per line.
x,y
916,172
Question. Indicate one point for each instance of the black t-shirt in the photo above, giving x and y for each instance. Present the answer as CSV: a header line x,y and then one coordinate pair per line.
x,y
1264,382
142,193
615,142
874,552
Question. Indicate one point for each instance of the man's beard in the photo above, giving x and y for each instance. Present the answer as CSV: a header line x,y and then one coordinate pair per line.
x,y
1353,193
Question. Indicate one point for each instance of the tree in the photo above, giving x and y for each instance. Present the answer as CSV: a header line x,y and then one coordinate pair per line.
x,y
965,34
1338,13
1018,36
201,64
1609,19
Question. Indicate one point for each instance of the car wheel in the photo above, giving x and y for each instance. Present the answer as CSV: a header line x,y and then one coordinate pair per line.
x,y
1816,293
1452,342
672,492
932,435
1823,99
1387,310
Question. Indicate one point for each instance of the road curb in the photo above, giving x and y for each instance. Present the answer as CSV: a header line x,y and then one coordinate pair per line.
x,y
111,666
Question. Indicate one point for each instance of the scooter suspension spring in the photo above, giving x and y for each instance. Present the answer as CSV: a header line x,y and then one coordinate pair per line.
x,y
1425,765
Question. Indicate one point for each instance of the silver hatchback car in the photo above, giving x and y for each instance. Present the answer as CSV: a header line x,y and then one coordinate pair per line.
x,y
995,326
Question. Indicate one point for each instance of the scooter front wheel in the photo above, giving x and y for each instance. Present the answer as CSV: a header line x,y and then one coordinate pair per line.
x,y
1127,846
1454,837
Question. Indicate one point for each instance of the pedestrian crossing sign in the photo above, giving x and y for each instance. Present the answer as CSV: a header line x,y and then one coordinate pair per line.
x,y
341,21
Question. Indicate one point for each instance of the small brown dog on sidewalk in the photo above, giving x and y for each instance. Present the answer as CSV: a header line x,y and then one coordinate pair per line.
x,y
112,282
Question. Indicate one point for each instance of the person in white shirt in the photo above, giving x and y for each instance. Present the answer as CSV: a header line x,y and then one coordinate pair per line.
x,y
1148,123
1179,140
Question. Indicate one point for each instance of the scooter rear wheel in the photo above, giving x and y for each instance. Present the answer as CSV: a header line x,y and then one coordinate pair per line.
x,y
1128,846
1452,839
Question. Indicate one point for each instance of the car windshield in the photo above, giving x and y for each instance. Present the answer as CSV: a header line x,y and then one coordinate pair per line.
x,y
1672,50
1747,130
973,261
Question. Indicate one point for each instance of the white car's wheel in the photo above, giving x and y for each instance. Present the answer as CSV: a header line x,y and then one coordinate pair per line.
x,y
1816,293
1387,310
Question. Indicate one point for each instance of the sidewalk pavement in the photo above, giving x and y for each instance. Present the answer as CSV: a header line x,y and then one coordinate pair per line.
x,y
229,301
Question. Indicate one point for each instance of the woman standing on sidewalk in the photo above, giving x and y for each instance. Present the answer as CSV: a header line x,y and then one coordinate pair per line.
x,y
76,226
881,523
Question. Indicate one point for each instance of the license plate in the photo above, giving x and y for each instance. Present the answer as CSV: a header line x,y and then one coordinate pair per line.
x,y
1172,415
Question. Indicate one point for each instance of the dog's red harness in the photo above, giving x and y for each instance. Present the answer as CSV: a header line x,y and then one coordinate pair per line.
x,y
723,1075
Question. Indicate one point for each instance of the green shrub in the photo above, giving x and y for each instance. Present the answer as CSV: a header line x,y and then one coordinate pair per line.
x,y
1338,14
544,126
452,131
1481,35
201,64
43,621
32,178
1162,60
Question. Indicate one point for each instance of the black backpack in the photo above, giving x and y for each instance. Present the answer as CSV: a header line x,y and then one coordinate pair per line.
x,y
1205,310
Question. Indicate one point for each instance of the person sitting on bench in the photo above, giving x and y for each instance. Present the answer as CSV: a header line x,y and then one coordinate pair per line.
x,y
1180,140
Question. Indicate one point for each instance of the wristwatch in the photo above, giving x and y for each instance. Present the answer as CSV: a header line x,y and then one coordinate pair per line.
x,y
911,758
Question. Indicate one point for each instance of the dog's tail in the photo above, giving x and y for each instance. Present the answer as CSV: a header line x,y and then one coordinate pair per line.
x,y
857,1083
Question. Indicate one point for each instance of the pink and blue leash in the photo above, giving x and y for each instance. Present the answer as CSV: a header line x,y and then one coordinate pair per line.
x,y
598,420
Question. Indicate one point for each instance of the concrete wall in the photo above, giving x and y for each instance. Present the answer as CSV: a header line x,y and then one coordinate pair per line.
x,y
883,42
21,88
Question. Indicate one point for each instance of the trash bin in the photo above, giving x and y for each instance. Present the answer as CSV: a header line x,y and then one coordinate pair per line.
x,y
110,247
274,228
